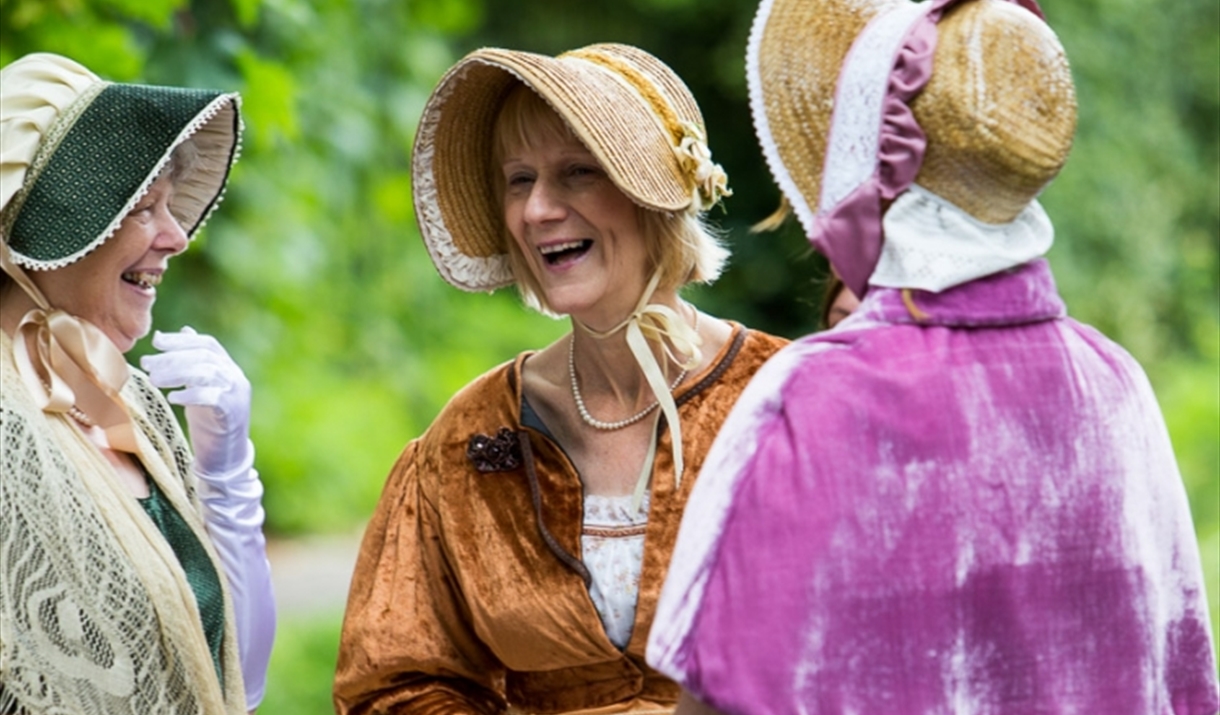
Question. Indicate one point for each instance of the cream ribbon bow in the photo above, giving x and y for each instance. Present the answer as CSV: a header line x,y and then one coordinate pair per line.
x,y
710,182
67,362
650,321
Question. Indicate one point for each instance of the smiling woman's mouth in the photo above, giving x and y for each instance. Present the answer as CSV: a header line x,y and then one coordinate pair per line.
x,y
560,252
143,279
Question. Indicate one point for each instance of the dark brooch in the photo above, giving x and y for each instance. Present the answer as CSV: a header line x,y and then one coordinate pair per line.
x,y
501,453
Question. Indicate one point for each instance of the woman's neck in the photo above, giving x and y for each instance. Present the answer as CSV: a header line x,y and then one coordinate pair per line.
x,y
605,363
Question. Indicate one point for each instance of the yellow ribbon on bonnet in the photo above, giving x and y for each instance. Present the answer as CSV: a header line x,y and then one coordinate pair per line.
x,y
67,362
708,181
657,322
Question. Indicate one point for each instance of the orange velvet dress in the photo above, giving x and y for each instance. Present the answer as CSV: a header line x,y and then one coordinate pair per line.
x,y
469,595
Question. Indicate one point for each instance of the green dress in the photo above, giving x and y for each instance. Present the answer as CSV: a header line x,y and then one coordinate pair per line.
x,y
200,573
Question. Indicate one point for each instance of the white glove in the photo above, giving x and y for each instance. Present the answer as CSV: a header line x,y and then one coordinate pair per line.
x,y
216,396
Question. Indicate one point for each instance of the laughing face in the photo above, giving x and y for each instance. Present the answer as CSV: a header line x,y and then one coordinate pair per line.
x,y
114,286
579,234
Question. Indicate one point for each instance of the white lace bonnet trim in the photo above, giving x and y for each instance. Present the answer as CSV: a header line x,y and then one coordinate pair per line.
x,y
471,273
930,244
855,123
39,106
855,132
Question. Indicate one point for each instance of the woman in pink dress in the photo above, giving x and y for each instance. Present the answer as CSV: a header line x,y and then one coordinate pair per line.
x,y
959,500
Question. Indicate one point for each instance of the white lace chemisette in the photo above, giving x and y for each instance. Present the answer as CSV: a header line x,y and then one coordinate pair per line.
x,y
612,544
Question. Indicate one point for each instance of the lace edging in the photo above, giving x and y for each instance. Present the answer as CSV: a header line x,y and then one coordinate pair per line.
x,y
466,272
762,124
856,120
205,116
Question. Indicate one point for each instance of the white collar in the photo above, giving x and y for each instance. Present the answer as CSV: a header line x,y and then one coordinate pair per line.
x,y
931,244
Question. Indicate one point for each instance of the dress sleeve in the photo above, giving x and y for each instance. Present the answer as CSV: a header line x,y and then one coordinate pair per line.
x,y
684,643
407,645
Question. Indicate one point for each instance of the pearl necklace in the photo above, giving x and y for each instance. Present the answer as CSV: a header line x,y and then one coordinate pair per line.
x,y
580,401
78,415
74,412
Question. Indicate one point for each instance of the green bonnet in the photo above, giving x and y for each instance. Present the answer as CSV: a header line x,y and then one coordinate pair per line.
x,y
77,153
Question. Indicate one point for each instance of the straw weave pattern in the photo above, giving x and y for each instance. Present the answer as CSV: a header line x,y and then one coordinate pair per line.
x,y
649,90
471,258
999,110
855,131
630,142
793,79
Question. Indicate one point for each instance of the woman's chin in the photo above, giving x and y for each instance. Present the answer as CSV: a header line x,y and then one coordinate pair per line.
x,y
571,301
125,337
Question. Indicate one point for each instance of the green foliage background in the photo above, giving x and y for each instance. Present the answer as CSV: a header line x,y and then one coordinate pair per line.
x,y
314,277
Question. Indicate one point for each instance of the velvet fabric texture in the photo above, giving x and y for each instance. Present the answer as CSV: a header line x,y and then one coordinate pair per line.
x,y
976,511
469,595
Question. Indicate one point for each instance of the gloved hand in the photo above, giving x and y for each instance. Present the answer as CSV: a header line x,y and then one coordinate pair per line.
x,y
216,395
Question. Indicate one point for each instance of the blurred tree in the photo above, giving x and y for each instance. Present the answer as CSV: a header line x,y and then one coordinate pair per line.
x,y
312,273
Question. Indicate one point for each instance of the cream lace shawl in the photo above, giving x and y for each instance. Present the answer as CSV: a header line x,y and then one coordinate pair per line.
x,y
96,615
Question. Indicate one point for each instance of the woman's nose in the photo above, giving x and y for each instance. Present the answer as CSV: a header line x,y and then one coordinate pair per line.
x,y
171,237
545,203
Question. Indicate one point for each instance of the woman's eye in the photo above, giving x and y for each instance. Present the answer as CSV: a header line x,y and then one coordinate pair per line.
x,y
582,171
520,179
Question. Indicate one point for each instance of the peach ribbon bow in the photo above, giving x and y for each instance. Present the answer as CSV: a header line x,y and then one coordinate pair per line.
x,y
67,363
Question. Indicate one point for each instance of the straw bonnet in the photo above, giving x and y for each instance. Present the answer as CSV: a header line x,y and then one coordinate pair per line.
x,y
998,109
626,106
77,153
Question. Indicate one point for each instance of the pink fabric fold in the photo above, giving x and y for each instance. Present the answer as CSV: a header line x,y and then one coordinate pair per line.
x,y
849,234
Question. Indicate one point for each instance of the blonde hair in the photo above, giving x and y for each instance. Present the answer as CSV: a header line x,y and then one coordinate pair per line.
x,y
683,247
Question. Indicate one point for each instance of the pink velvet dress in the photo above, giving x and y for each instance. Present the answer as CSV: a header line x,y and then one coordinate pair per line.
x,y
977,513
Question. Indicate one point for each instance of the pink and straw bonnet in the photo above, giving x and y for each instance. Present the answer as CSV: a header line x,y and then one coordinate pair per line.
x,y
855,101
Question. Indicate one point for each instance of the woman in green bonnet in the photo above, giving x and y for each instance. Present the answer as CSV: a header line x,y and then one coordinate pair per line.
x,y
133,570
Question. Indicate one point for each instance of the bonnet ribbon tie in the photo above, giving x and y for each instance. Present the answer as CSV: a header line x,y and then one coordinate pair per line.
x,y
650,321
67,362
848,229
